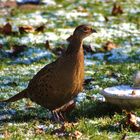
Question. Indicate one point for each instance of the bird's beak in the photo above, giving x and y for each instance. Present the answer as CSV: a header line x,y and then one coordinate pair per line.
x,y
94,31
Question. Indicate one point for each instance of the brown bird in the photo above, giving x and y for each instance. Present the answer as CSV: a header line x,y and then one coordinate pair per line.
x,y
56,85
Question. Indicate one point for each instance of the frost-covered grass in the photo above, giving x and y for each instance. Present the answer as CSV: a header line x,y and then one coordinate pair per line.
x,y
23,119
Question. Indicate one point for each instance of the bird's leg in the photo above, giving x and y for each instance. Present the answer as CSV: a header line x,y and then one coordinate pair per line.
x,y
59,113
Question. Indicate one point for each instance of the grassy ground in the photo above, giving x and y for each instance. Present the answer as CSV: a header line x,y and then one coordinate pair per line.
x,y
27,120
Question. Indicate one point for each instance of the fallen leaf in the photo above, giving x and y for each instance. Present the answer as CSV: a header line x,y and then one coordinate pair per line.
x,y
7,29
69,125
60,132
47,45
40,28
81,9
124,137
108,46
117,9
12,84
26,29
39,131
1,46
133,92
88,48
106,18
16,49
7,134
88,80
133,121
77,134
1,29
29,104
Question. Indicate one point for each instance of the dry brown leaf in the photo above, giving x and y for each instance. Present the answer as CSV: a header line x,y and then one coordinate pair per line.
x,y
26,29
106,18
60,132
1,46
47,45
39,131
88,80
133,121
16,49
133,92
117,9
88,49
108,46
7,29
7,134
40,28
1,29
77,134
81,9
69,125
29,104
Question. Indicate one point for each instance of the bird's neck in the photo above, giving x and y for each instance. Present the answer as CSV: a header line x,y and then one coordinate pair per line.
x,y
75,46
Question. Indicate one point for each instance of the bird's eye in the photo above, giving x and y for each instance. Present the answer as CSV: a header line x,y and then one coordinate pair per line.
x,y
86,29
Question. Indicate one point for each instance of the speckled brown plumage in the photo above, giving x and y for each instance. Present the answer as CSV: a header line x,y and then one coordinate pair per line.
x,y
59,82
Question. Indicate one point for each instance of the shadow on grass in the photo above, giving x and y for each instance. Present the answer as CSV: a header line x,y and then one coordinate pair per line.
x,y
25,115
89,110
94,109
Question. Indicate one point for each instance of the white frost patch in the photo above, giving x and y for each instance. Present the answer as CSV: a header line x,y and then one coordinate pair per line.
x,y
72,14
2,136
33,19
39,38
128,27
116,30
133,10
99,16
98,97
49,2
96,87
6,114
119,54
42,127
32,55
89,62
2,40
51,36
45,128
113,80
2,21
89,72
80,97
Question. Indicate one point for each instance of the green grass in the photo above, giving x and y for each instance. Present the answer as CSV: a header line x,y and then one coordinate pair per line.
x,y
96,121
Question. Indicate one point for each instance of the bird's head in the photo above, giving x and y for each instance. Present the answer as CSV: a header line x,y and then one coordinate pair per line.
x,y
81,32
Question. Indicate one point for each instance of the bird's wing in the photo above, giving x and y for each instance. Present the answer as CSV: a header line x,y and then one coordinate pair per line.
x,y
46,73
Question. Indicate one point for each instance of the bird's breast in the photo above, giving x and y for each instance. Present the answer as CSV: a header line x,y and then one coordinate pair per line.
x,y
72,73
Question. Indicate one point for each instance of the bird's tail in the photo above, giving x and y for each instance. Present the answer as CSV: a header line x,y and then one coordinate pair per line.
x,y
22,94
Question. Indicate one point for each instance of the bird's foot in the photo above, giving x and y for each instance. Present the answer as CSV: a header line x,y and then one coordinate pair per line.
x,y
59,113
58,116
